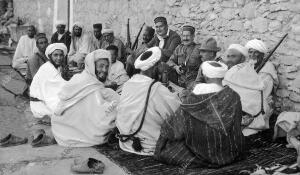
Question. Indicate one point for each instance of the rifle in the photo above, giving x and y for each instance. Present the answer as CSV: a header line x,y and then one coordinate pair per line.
x,y
270,54
135,44
128,44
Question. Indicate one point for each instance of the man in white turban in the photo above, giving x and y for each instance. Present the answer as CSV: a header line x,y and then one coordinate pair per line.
x,y
213,73
86,110
206,124
255,89
236,54
61,35
81,45
138,135
47,82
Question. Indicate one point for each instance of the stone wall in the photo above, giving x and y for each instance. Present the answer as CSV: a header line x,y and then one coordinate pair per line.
x,y
229,21
35,12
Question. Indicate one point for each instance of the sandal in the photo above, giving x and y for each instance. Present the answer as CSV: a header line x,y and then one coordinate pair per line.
x,y
43,140
46,120
12,140
90,166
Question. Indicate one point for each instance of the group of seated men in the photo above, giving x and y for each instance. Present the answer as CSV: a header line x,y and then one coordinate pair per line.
x,y
205,124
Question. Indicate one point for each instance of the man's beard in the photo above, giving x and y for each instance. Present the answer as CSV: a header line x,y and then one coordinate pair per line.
x,y
54,64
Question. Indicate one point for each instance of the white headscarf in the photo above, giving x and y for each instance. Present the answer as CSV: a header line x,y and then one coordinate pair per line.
x,y
60,22
56,46
213,72
257,45
93,57
149,62
243,50
106,30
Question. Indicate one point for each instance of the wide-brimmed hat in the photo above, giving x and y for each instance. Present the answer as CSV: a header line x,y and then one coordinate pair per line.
x,y
210,44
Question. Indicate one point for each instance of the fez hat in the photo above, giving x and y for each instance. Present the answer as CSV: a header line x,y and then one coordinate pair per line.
x,y
210,44
160,19
97,26
188,28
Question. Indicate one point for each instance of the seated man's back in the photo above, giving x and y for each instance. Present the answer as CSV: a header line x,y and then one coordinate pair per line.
x,y
205,131
161,104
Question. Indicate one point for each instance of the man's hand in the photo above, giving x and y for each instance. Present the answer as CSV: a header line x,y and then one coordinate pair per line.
x,y
177,68
113,85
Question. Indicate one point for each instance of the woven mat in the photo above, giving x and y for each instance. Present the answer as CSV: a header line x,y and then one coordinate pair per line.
x,y
262,152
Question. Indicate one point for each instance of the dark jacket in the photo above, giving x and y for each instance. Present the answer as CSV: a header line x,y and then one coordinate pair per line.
x,y
66,39
171,42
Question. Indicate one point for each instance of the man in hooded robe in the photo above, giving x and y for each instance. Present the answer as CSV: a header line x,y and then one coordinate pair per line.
x,y
255,89
25,49
161,104
47,82
205,131
86,110
81,45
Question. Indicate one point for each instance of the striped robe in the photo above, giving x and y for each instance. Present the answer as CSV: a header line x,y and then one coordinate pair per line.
x,y
205,131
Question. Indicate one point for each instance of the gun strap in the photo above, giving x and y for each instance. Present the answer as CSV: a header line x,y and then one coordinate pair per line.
x,y
124,137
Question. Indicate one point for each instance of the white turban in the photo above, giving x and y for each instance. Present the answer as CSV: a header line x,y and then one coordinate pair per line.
x,y
60,22
243,50
211,71
257,45
107,31
93,57
56,46
150,61
78,24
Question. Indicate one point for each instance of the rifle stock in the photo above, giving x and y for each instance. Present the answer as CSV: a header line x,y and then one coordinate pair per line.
x,y
265,60
137,38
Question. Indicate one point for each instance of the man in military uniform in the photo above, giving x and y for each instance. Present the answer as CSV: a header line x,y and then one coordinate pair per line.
x,y
186,58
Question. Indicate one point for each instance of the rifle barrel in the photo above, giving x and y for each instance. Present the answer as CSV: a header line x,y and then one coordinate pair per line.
x,y
137,37
270,54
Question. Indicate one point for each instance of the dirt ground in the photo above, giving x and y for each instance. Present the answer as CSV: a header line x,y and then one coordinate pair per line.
x,y
16,118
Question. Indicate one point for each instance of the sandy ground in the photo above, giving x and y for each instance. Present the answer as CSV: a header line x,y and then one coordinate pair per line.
x,y
17,118
49,160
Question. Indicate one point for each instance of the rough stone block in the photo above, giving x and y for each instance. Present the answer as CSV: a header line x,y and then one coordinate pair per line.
x,y
227,14
260,24
296,83
247,25
5,60
296,29
6,98
274,25
249,11
16,86
282,93
235,25
295,97
287,60
287,69
185,10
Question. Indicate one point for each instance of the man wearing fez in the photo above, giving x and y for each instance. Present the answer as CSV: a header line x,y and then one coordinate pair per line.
x,y
97,39
167,40
186,59
61,35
